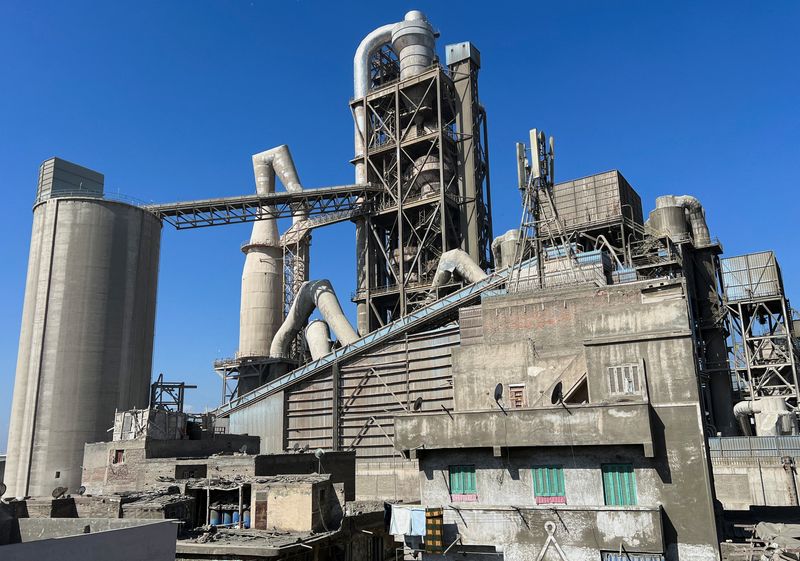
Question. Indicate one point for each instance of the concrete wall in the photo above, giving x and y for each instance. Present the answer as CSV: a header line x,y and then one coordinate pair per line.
x,y
120,542
393,479
543,337
341,466
748,481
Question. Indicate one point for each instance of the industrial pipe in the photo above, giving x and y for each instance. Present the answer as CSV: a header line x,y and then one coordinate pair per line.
x,y
262,278
504,249
742,412
696,215
458,262
318,338
317,294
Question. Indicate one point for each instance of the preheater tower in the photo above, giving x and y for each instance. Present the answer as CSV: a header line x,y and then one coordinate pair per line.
x,y
420,133
86,341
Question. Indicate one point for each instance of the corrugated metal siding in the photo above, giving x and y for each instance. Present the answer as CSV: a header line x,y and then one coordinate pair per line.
x,y
755,275
470,321
595,199
264,420
417,367
754,446
627,556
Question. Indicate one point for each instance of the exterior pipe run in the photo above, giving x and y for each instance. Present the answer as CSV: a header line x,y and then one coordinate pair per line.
x,y
742,412
261,309
504,249
317,294
696,216
318,338
457,262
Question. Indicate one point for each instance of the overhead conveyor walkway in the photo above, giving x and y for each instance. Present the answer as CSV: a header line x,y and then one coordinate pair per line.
x,y
419,318
249,208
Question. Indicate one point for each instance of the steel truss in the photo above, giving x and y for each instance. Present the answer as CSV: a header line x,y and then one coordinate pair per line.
x,y
763,348
412,152
249,208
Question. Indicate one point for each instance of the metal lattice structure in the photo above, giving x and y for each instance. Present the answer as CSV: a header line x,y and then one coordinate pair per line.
x,y
168,395
763,347
414,152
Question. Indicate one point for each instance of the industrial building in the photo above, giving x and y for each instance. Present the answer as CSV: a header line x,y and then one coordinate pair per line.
x,y
601,383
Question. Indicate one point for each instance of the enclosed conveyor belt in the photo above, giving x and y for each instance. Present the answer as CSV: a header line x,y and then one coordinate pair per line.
x,y
413,320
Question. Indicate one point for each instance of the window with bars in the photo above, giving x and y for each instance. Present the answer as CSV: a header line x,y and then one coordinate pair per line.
x,y
619,484
548,485
462,483
516,395
624,379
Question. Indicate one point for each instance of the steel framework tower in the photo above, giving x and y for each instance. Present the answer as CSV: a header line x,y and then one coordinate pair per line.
x,y
424,142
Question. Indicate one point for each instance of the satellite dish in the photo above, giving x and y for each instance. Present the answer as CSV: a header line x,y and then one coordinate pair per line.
x,y
59,492
295,447
243,449
558,394
3,488
498,392
417,404
318,453
81,490
305,448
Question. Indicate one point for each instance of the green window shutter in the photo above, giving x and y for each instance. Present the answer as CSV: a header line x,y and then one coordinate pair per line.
x,y
548,481
619,484
462,480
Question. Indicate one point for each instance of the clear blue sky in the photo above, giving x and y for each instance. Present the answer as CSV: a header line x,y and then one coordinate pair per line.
x,y
170,99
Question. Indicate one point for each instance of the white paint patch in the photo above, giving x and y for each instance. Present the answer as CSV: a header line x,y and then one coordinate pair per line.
x,y
628,527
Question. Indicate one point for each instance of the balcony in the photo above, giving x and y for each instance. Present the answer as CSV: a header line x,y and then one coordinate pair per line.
x,y
572,425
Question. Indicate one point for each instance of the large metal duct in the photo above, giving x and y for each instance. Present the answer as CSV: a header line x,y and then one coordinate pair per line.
x,y
415,40
318,338
504,249
771,414
86,340
695,214
261,309
317,294
457,262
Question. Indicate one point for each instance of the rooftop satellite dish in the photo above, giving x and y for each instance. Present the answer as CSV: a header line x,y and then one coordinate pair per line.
x,y
59,492
3,488
318,453
498,392
558,394
417,404
295,447
243,449
81,490
305,448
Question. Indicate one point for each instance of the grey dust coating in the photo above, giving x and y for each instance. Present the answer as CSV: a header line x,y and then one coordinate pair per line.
x,y
86,340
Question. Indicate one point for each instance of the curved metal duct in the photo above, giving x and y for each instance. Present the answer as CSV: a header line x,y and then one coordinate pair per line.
x,y
458,262
317,294
742,411
769,412
695,213
413,40
318,338
504,249
261,309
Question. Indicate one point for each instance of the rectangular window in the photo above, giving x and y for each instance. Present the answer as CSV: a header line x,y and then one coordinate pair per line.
x,y
624,380
619,484
516,395
462,484
119,456
548,485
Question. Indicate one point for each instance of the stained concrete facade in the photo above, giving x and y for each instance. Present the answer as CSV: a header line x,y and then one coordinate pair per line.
x,y
530,341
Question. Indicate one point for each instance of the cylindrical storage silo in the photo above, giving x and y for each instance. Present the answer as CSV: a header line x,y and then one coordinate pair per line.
x,y
86,340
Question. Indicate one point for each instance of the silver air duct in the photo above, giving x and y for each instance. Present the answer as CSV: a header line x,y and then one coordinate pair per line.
x,y
457,262
415,47
318,338
695,214
504,249
261,309
771,414
317,294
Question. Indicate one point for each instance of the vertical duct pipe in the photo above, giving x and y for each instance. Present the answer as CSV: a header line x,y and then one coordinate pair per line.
x,y
695,214
318,337
261,310
413,40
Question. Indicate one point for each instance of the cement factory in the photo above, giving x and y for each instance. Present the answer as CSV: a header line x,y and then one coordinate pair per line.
x,y
603,383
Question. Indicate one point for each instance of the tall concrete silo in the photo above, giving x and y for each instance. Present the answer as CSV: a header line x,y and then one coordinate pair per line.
x,y
86,340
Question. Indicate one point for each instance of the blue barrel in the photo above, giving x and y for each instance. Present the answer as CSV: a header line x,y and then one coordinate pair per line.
x,y
246,517
214,518
226,517
235,517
